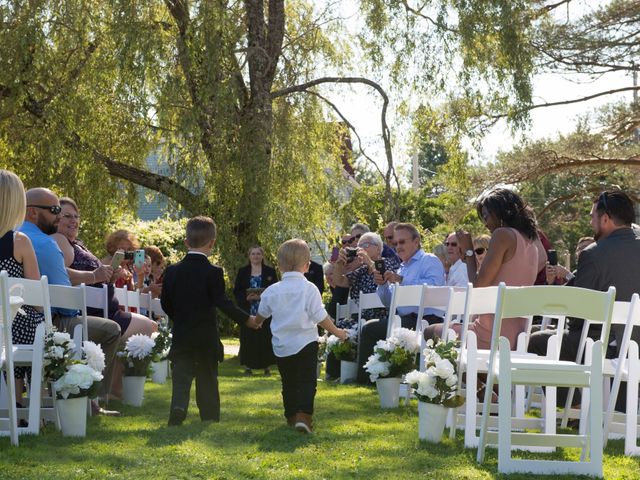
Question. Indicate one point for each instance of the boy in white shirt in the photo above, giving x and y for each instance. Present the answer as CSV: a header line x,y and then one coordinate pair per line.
x,y
295,307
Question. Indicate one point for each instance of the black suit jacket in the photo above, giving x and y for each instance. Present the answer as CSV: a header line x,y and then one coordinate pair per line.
x,y
316,275
269,277
191,291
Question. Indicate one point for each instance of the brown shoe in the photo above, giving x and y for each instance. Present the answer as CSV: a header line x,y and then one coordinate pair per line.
x,y
303,422
291,420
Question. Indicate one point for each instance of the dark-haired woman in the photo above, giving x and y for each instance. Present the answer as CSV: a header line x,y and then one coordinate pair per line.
x,y
515,256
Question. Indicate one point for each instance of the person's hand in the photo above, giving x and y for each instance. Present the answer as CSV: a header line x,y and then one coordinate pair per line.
x,y
155,289
342,334
392,277
251,297
342,257
364,257
465,242
103,273
556,272
253,323
377,278
122,273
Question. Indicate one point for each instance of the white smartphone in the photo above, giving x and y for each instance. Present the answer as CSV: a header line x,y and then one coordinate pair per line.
x,y
117,259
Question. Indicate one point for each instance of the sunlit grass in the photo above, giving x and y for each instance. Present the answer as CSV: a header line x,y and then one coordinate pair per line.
x,y
354,438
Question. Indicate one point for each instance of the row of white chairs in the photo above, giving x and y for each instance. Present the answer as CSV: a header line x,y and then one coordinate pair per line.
x,y
520,369
39,293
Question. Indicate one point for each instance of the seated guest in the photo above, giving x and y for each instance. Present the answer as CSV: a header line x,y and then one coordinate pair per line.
x,y
558,275
480,248
457,276
315,275
440,251
127,242
328,268
41,220
18,259
158,265
515,257
417,268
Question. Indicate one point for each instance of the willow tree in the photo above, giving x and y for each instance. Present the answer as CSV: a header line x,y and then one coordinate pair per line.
x,y
224,89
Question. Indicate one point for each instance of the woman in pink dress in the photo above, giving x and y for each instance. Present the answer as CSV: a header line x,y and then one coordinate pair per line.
x,y
515,256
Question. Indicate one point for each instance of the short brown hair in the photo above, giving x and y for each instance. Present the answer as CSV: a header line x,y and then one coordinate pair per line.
x,y
69,201
411,228
155,254
116,237
200,230
293,255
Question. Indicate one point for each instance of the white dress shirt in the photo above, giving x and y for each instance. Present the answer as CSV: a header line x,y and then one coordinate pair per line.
x,y
457,276
295,307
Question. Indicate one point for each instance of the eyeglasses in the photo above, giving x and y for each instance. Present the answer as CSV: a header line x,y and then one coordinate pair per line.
x,y
480,250
349,241
55,209
70,216
366,244
452,244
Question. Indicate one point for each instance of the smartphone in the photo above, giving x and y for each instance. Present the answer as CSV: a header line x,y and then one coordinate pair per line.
x,y
380,267
138,259
552,256
334,254
117,259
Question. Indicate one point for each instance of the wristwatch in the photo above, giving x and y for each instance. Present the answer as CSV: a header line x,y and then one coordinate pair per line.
x,y
468,253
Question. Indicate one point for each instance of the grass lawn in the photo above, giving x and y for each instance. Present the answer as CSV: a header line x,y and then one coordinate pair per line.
x,y
354,439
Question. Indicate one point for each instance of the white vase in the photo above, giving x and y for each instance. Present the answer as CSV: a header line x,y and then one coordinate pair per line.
x,y
389,391
72,413
159,371
348,371
133,390
431,420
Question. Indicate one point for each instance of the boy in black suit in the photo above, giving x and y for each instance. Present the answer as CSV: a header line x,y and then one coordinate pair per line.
x,y
191,291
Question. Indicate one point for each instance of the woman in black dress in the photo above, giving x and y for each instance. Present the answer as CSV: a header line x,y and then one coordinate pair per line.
x,y
256,351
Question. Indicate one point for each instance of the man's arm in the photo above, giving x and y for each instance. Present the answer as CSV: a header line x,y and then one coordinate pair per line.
x,y
587,273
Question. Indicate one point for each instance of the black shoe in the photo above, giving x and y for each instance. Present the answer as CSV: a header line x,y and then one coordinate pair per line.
x,y
176,417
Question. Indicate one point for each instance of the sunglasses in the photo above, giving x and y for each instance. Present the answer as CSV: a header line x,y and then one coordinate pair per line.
x,y
480,250
55,209
366,244
349,241
453,244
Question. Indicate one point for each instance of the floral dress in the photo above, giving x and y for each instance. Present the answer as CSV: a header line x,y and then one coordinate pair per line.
x,y
23,329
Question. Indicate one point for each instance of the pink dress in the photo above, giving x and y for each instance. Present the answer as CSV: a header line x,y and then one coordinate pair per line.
x,y
520,271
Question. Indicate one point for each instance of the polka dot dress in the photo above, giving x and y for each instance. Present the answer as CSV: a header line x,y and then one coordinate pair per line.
x,y
23,329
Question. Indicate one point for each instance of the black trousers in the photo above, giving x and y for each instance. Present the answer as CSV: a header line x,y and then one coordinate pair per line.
x,y
299,380
375,330
202,365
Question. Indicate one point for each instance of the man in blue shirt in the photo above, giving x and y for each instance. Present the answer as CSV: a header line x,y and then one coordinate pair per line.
x,y
417,268
41,220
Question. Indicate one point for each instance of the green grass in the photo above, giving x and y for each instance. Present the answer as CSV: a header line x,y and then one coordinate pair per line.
x,y
354,439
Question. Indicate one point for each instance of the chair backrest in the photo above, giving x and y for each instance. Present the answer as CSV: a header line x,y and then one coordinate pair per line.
x,y
346,310
133,300
97,297
592,305
368,301
403,296
156,308
72,298
120,293
34,293
145,302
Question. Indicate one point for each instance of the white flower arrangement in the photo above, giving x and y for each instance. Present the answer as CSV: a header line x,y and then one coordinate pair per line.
x,y
344,349
322,348
438,382
72,377
162,343
395,356
137,354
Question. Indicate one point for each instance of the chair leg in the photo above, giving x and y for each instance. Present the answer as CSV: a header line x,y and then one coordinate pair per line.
x,y
504,407
631,428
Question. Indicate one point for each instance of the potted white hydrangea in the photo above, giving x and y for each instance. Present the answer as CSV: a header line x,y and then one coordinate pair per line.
x,y
73,379
345,351
159,363
436,387
391,359
136,356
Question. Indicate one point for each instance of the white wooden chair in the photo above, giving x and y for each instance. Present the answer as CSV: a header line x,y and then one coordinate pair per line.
x,y
346,310
97,297
507,371
402,296
626,368
156,308
10,306
145,304
34,293
366,301
120,293
133,300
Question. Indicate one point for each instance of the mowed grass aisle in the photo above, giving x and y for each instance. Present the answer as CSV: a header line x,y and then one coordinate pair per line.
x,y
353,439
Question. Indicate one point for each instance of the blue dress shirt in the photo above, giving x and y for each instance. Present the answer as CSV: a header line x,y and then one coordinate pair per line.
x,y
422,268
50,261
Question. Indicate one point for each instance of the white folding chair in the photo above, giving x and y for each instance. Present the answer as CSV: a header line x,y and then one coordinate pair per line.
x,y
347,310
402,296
626,368
120,293
366,301
10,306
156,308
34,293
507,371
133,300
97,297
145,304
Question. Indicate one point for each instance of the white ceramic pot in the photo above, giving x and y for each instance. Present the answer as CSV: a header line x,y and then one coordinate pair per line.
x,y
72,413
348,371
431,421
389,391
159,371
319,368
133,390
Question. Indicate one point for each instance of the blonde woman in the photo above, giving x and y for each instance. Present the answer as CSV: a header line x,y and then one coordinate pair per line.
x,y
18,258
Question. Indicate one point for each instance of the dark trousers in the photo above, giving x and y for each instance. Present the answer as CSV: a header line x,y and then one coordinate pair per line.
x,y
203,365
298,373
375,330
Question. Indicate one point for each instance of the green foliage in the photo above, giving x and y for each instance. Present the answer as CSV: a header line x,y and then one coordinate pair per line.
x,y
343,349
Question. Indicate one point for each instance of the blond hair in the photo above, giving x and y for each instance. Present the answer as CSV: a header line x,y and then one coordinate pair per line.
x,y
293,255
13,201
481,241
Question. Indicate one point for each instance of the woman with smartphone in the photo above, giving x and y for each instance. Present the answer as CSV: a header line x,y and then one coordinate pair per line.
x,y
256,351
